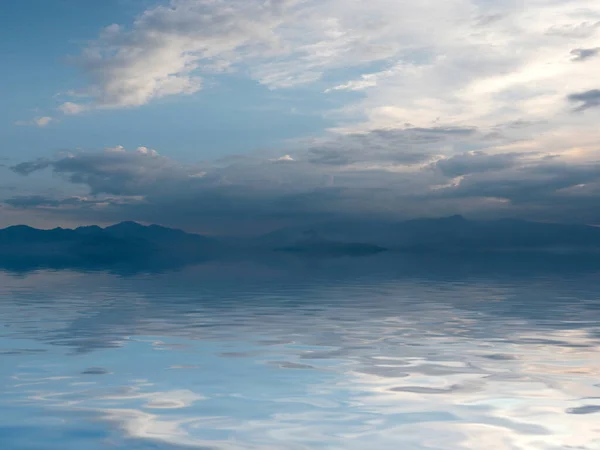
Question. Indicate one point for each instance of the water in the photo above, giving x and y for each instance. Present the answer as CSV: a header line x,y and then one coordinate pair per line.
x,y
347,354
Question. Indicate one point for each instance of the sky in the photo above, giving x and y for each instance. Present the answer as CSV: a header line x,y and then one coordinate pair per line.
x,y
241,116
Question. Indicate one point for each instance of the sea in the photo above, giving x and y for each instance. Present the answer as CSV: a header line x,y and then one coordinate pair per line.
x,y
399,352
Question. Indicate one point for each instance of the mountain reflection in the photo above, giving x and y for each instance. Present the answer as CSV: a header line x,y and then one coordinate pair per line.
x,y
380,352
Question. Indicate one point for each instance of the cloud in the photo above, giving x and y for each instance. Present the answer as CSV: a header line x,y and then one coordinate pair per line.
x,y
38,122
43,121
29,167
583,54
35,201
474,72
574,29
29,201
170,49
587,99
330,157
112,171
365,81
446,107
391,174
231,195
469,62
284,158
70,108
76,205
449,106
402,146
546,186
477,162
167,47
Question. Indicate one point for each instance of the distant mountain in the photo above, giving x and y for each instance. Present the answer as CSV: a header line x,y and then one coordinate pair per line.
x,y
92,245
152,247
453,233
312,244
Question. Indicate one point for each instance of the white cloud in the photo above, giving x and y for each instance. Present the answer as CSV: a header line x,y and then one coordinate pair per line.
x,y
483,64
284,158
279,43
70,108
38,122
43,121
146,151
364,82
167,47
118,148
456,62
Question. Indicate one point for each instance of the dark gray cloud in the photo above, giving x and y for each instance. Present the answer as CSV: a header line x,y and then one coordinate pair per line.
x,y
583,54
237,193
462,131
578,31
26,168
113,171
36,201
535,185
29,201
588,99
402,146
330,157
475,162
389,174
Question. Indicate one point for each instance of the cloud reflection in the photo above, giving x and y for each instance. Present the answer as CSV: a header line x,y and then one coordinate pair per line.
x,y
313,361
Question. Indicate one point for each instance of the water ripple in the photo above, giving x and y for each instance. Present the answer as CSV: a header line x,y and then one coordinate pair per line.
x,y
206,360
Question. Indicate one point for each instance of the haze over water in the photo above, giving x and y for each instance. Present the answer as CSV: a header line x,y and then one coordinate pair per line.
x,y
334,354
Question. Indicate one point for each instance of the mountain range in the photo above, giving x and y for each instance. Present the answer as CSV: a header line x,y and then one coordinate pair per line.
x,y
454,233
136,244
123,242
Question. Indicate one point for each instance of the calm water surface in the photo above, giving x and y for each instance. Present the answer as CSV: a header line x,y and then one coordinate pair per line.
x,y
337,355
